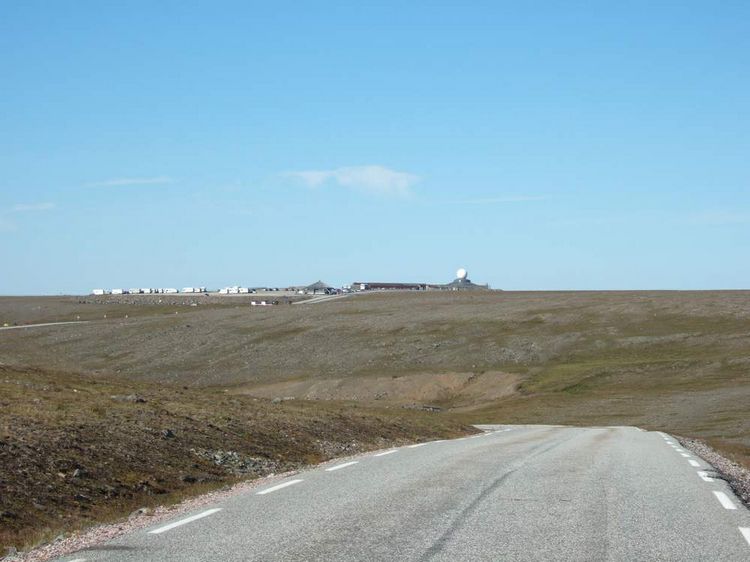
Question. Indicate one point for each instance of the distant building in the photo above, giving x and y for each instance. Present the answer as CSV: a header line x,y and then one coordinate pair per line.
x,y
387,286
460,283
319,288
193,290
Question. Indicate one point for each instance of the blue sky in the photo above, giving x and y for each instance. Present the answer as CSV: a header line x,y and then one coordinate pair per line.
x,y
544,145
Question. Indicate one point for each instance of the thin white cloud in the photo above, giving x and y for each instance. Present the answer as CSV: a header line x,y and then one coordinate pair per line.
x,y
9,225
120,182
718,218
32,207
374,179
504,199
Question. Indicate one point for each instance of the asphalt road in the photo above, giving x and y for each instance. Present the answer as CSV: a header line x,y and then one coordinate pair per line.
x,y
24,326
514,493
324,298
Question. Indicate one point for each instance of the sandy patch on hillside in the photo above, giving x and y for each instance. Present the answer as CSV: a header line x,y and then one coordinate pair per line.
x,y
438,388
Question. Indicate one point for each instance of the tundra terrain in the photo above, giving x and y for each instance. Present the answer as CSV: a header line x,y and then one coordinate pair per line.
x,y
673,361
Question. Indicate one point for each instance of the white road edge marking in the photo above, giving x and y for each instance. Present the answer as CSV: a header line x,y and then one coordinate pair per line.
x,y
704,476
184,521
724,500
384,453
416,445
694,463
278,487
340,466
77,560
685,455
745,533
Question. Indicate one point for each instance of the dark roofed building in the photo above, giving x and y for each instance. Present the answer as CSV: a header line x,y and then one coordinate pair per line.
x,y
379,286
460,283
463,285
319,288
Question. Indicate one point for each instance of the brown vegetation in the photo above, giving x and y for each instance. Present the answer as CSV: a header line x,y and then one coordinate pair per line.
x,y
76,450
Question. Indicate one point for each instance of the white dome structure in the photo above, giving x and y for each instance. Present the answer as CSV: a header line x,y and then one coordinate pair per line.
x,y
462,282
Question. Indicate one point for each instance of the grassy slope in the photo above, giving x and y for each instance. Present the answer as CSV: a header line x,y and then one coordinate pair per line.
x,y
396,334
71,454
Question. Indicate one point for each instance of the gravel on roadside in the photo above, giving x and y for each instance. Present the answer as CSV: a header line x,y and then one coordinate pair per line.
x,y
736,475
139,519
99,534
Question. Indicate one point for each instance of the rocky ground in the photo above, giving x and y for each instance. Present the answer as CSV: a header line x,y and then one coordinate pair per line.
x,y
19,311
77,450
734,473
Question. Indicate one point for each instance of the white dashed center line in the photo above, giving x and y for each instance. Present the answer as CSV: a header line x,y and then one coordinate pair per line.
x,y
724,500
685,455
278,487
340,466
694,463
184,521
384,453
704,476
745,533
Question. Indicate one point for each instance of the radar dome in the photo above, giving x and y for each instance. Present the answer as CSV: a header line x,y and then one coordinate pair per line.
x,y
461,273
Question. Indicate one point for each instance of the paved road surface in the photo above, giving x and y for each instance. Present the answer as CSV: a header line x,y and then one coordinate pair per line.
x,y
324,298
515,493
23,326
